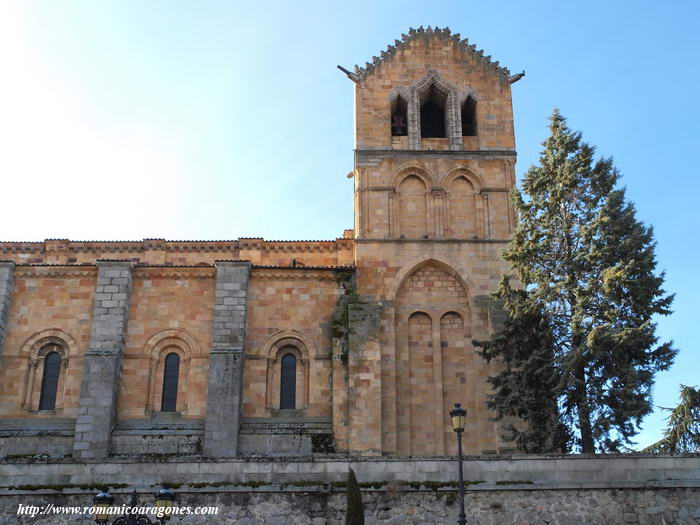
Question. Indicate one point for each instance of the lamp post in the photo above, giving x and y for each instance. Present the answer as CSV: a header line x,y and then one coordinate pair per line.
x,y
165,498
459,417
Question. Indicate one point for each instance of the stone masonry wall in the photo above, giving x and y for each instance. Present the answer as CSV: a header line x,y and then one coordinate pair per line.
x,y
227,359
522,490
102,364
289,308
7,283
392,506
171,310
48,303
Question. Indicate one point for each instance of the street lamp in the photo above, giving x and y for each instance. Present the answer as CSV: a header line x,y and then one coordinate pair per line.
x,y
459,418
165,498
102,502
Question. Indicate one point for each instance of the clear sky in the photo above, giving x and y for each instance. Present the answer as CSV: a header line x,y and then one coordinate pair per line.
x,y
217,119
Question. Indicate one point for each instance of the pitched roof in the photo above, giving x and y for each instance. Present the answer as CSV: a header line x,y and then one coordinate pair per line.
x,y
362,72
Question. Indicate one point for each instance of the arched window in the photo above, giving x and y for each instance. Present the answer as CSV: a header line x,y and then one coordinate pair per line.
x,y
399,117
49,381
288,380
432,114
469,117
171,373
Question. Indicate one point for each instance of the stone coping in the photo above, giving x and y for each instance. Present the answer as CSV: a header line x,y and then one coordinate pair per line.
x,y
542,471
345,458
325,488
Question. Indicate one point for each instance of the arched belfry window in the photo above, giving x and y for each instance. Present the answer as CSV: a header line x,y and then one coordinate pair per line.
x,y
399,117
288,382
432,114
49,381
469,117
171,373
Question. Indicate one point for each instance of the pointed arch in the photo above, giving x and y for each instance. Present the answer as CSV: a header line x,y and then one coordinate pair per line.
x,y
411,266
433,88
463,171
407,170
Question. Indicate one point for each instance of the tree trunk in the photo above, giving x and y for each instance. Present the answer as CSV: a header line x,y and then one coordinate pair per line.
x,y
584,415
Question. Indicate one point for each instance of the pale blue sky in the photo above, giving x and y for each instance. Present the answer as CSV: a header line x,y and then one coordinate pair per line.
x,y
219,119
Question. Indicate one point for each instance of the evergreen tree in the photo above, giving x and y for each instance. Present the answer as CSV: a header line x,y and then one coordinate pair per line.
x,y
526,387
354,510
683,430
587,262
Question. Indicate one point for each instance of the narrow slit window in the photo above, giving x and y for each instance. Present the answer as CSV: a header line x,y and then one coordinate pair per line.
x,y
49,382
469,117
171,373
399,117
432,115
288,387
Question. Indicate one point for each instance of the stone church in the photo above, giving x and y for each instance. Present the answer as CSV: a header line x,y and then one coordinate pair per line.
x,y
358,345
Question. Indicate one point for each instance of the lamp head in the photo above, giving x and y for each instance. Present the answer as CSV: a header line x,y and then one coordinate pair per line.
x,y
102,502
165,498
459,418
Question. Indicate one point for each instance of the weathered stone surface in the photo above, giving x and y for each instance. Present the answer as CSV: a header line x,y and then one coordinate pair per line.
x,y
537,471
103,361
7,284
226,360
365,382
391,504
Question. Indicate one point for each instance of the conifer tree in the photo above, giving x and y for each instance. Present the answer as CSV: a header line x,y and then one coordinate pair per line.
x,y
683,430
589,264
354,510
526,387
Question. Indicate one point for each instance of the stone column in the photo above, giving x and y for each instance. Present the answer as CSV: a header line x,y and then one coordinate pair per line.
x,y
226,360
365,379
7,284
103,360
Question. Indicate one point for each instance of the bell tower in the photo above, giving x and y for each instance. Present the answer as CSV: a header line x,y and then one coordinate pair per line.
x,y
434,166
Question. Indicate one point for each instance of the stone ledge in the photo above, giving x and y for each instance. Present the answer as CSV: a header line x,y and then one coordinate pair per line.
x,y
542,472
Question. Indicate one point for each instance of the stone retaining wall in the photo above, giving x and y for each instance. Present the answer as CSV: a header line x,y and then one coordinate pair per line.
x,y
523,490
392,505
544,471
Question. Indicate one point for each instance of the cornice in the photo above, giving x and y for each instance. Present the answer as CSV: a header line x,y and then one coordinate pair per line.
x,y
30,270
175,272
298,273
364,155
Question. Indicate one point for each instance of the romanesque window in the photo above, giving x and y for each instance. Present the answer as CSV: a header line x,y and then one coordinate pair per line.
x,y
399,117
171,373
288,382
469,117
432,114
47,362
168,389
49,381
